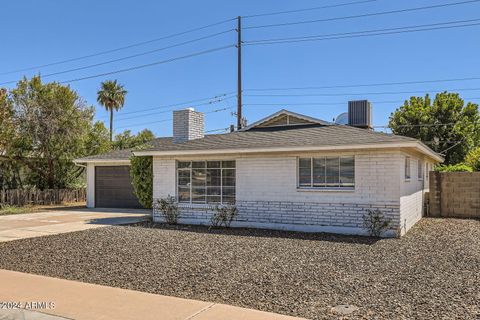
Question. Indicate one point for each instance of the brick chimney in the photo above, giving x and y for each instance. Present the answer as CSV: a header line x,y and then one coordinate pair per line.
x,y
188,124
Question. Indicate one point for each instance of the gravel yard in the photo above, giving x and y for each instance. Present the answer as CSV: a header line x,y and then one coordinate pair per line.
x,y
431,273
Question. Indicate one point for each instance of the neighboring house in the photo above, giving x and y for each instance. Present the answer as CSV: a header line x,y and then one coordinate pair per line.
x,y
287,171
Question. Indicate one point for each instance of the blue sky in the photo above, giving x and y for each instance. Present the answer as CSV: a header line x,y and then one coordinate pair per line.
x,y
41,32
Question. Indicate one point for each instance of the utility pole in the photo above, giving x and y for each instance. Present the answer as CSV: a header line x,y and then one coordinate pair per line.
x,y
239,73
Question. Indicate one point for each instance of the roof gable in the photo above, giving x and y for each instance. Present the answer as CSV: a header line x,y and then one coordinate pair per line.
x,y
285,118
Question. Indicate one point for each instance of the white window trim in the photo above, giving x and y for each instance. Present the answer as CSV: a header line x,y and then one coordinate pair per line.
x,y
323,189
409,161
199,204
420,170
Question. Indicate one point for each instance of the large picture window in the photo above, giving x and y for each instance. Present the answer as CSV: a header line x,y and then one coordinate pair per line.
x,y
326,172
206,181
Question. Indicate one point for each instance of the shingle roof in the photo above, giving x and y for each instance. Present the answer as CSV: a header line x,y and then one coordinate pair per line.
x,y
120,155
321,136
311,136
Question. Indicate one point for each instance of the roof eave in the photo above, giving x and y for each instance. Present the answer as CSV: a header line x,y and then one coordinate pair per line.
x,y
80,161
412,144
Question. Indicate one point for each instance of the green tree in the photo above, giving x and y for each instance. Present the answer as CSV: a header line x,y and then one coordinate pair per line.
x,y
10,172
111,96
7,126
126,140
447,125
473,159
51,125
98,139
459,167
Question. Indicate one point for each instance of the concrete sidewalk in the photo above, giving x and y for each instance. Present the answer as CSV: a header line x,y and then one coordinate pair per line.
x,y
21,226
78,300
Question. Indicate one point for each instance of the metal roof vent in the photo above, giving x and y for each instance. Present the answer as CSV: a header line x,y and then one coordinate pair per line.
x,y
360,114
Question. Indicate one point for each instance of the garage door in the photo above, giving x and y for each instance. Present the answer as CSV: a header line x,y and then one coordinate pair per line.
x,y
113,188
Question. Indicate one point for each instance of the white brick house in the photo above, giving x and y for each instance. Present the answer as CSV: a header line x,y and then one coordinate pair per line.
x,y
292,172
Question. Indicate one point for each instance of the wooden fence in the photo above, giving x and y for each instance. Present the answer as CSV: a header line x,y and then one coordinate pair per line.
x,y
454,194
20,197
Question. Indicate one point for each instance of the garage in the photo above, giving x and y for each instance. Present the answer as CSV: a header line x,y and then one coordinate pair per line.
x,y
113,188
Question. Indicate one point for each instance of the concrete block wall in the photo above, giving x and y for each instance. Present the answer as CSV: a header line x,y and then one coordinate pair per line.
x,y
434,195
90,185
455,194
270,178
268,197
164,178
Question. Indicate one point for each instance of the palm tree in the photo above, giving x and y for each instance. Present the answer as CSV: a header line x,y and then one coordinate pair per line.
x,y
112,96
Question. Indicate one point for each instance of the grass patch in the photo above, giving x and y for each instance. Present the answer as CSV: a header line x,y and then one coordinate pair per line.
x,y
8,209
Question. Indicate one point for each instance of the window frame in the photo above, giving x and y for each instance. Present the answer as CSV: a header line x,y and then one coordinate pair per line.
x,y
420,172
407,168
190,169
325,187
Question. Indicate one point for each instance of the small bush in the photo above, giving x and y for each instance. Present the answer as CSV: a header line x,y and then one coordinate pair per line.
x,y
375,222
223,216
169,209
460,167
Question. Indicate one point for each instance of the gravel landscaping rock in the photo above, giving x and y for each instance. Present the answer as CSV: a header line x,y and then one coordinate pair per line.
x,y
431,273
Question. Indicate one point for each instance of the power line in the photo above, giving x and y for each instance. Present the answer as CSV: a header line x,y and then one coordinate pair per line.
x,y
307,9
165,120
456,144
150,64
155,113
211,100
370,33
321,36
363,15
313,104
128,57
365,85
418,125
142,124
119,48
355,94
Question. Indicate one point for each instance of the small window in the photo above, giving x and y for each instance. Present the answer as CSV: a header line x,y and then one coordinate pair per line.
x,y
420,170
326,172
407,168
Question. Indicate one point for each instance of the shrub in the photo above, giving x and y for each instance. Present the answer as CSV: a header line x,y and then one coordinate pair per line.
x,y
169,209
460,167
375,222
142,179
223,216
473,159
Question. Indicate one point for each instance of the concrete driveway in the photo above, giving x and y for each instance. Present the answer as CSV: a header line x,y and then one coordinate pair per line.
x,y
20,226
